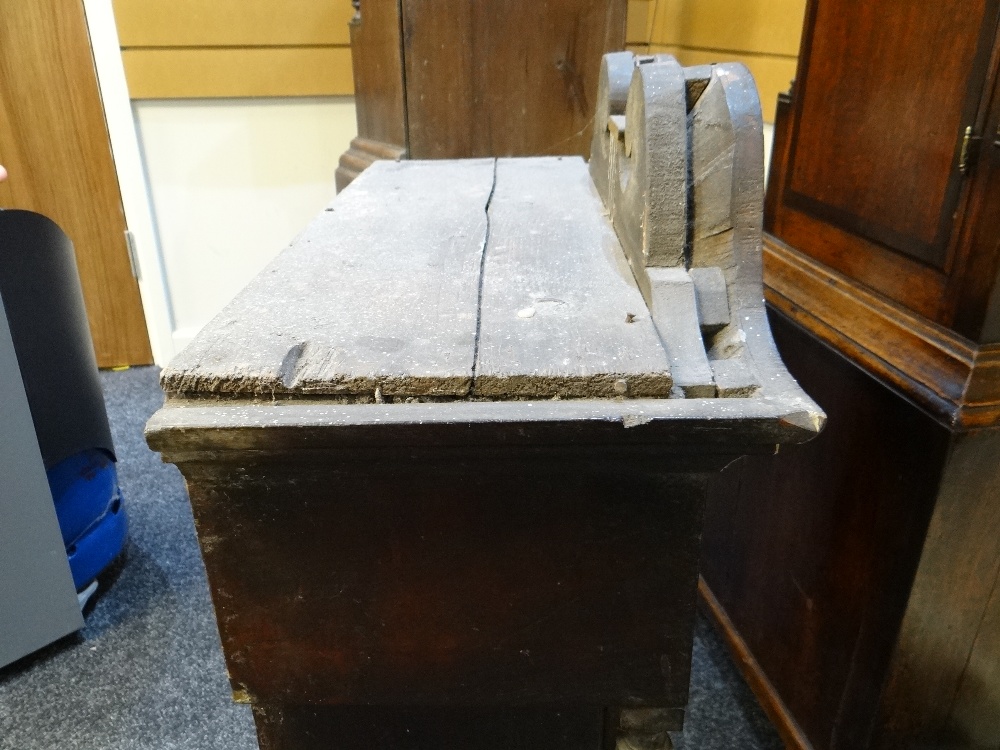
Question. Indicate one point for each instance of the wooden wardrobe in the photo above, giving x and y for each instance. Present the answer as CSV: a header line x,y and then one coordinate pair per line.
x,y
440,79
857,577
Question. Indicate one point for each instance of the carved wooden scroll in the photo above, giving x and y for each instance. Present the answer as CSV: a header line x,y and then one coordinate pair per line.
x,y
677,158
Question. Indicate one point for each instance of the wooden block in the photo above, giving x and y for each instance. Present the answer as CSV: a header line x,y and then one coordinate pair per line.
x,y
561,313
675,313
712,297
649,195
612,91
735,378
379,292
710,132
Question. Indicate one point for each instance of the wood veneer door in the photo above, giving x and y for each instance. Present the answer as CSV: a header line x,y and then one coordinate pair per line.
x,y
871,184
54,141
505,77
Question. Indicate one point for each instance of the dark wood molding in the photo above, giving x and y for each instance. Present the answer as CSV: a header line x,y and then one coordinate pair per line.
x,y
361,155
379,88
789,731
955,379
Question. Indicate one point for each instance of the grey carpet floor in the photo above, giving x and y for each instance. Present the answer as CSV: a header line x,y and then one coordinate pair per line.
x,y
147,672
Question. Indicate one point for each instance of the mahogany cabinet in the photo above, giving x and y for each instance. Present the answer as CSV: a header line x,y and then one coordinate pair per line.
x,y
444,79
858,577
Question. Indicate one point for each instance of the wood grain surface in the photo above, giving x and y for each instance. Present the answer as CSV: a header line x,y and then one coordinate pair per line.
x,y
235,48
379,292
427,277
812,557
885,258
54,142
885,203
505,78
453,577
856,58
945,672
561,313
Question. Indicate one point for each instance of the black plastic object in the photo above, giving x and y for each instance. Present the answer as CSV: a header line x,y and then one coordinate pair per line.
x,y
40,289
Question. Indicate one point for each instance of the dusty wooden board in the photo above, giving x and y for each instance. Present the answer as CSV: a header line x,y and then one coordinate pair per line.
x,y
710,131
380,291
675,314
735,378
649,195
612,92
711,294
561,314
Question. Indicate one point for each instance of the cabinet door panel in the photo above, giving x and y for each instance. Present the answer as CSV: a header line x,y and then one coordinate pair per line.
x,y
884,96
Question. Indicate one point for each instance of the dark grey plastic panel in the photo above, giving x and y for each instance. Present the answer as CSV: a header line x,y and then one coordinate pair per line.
x,y
37,600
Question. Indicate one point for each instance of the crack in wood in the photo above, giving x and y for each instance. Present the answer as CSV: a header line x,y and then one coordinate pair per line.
x,y
482,273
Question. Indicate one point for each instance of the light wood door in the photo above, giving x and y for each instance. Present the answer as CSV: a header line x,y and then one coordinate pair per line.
x,y
54,142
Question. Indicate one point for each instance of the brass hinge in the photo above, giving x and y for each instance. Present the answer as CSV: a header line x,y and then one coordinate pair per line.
x,y
970,150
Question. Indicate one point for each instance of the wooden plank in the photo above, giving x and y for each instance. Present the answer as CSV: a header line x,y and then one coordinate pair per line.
x,y
675,313
649,208
712,297
183,73
976,713
232,23
735,377
54,142
713,144
781,718
561,314
941,671
377,296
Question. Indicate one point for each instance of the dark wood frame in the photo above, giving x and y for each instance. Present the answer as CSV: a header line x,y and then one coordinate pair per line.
x,y
909,606
951,294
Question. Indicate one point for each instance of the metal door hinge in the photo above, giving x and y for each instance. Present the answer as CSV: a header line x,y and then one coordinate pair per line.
x,y
969,152
133,256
